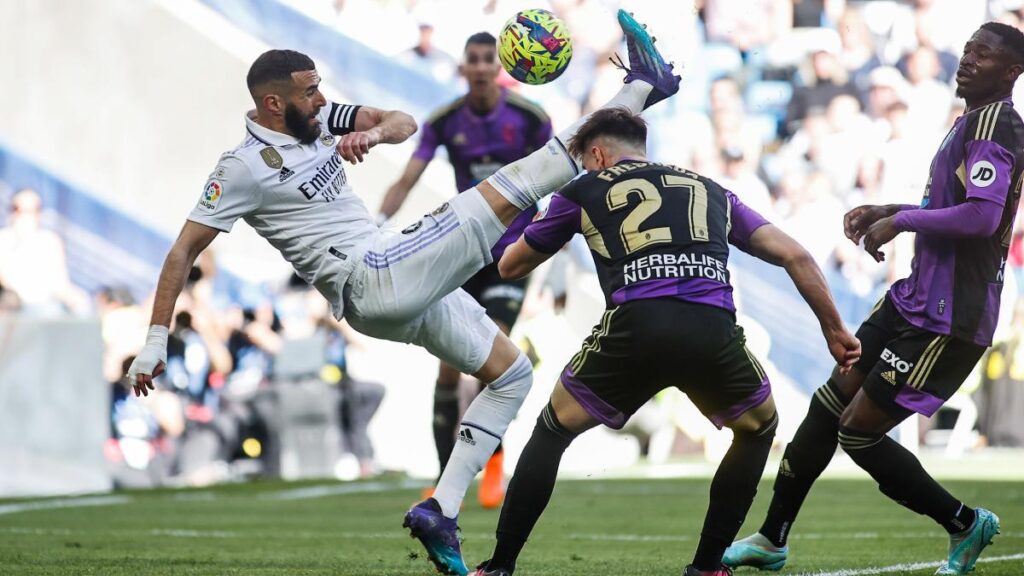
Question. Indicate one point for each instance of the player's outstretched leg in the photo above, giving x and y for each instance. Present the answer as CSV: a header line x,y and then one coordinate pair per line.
x,y
649,80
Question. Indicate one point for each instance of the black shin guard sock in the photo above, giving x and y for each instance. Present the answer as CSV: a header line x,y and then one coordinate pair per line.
x,y
901,477
530,489
732,493
805,459
446,421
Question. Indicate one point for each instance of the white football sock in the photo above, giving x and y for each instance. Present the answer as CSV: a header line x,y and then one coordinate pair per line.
x,y
481,430
529,179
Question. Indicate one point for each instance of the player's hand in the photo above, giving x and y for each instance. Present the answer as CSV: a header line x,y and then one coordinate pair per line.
x,y
844,347
354,145
857,221
879,234
150,361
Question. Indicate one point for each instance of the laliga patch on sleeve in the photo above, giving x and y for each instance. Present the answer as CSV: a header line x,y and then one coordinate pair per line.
x,y
983,173
211,195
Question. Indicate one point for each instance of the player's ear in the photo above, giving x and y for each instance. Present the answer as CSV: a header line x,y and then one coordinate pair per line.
x,y
273,103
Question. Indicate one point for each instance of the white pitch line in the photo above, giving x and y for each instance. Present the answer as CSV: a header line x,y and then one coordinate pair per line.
x,y
896,568
63,503
340,489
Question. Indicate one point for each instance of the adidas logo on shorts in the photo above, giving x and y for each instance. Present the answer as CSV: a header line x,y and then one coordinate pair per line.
x,y
889,377
466,436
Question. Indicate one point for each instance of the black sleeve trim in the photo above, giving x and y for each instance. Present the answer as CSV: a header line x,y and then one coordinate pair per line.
x,y
342,119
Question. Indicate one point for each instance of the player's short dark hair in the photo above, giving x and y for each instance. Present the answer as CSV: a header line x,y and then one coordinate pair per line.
x,y
485,38
1012,39
616,122
277,66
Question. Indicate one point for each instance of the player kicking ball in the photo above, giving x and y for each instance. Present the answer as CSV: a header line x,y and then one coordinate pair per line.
x,y
926,334
660,238
286,179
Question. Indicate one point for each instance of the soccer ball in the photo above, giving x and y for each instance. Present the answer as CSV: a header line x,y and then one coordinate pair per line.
x,y
534,47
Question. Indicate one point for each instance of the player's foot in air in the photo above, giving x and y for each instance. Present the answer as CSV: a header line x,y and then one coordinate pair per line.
x,y
482,570
492,486
965,547
756,551
438,535
722,571
645,62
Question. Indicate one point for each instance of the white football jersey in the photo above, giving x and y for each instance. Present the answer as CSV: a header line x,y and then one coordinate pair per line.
x,y
296,196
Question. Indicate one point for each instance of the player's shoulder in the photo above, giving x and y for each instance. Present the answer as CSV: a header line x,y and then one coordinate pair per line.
x,y
526,106
236,165
442,114
999,122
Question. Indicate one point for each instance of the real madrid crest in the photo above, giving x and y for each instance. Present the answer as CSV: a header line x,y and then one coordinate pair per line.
x,y
272,157
327,139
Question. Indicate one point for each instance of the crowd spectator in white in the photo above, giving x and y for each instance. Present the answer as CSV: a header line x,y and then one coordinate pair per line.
x,y
426,56
858,54
32,262
746,24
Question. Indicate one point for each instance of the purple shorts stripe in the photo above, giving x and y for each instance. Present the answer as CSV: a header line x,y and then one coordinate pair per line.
x,y
596,407
733,412
385,261
918,400
404,244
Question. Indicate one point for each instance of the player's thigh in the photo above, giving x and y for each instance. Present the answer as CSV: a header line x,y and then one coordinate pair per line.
x,y
728,382
605,376
457,331
918,371
433,256
878,329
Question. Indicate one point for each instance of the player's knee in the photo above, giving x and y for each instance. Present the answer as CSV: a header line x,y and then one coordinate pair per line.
x,y
855,441
763,431
548,422
516,380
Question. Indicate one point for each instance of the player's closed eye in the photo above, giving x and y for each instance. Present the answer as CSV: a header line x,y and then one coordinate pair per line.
x,y
483,59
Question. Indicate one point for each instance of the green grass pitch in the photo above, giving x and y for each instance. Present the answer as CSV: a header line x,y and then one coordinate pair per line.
x,y
614,527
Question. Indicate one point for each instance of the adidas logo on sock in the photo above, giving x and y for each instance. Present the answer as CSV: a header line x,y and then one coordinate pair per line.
x,y
466,436
285,174
889,377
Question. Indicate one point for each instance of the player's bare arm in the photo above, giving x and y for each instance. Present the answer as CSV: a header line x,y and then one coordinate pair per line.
x,y
193,239
399,191
520,259
775,247
373,127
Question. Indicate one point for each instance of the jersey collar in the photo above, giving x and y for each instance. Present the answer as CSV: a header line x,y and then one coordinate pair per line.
x,y
266,135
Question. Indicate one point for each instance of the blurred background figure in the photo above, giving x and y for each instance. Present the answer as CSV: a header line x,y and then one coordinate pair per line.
x,y
32,264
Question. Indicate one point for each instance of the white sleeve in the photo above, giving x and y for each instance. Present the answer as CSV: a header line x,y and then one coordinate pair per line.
x,y
339,119
230,193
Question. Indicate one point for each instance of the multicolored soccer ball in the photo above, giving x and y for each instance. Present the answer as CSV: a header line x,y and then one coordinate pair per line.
x,y
534,47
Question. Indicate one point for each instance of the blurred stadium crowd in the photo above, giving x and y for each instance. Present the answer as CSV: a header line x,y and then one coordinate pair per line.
x,y
804,108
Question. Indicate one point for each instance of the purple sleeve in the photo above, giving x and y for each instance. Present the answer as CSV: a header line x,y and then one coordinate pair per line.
x,y
428,144
559,224
744,221
989,168
975,218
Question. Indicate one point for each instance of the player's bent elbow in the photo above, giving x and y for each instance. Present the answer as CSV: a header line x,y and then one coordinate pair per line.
x,y
509,269
797,257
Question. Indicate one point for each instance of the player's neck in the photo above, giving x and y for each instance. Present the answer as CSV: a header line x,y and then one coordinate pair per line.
x,y
981,102
484,100
271,122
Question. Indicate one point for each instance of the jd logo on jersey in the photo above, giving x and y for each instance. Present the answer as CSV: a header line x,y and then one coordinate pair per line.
x,y
983,173
896,362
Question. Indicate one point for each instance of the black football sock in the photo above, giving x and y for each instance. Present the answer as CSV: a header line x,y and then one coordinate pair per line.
x,y
732,493
805,459
446,421
901,477
530,489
